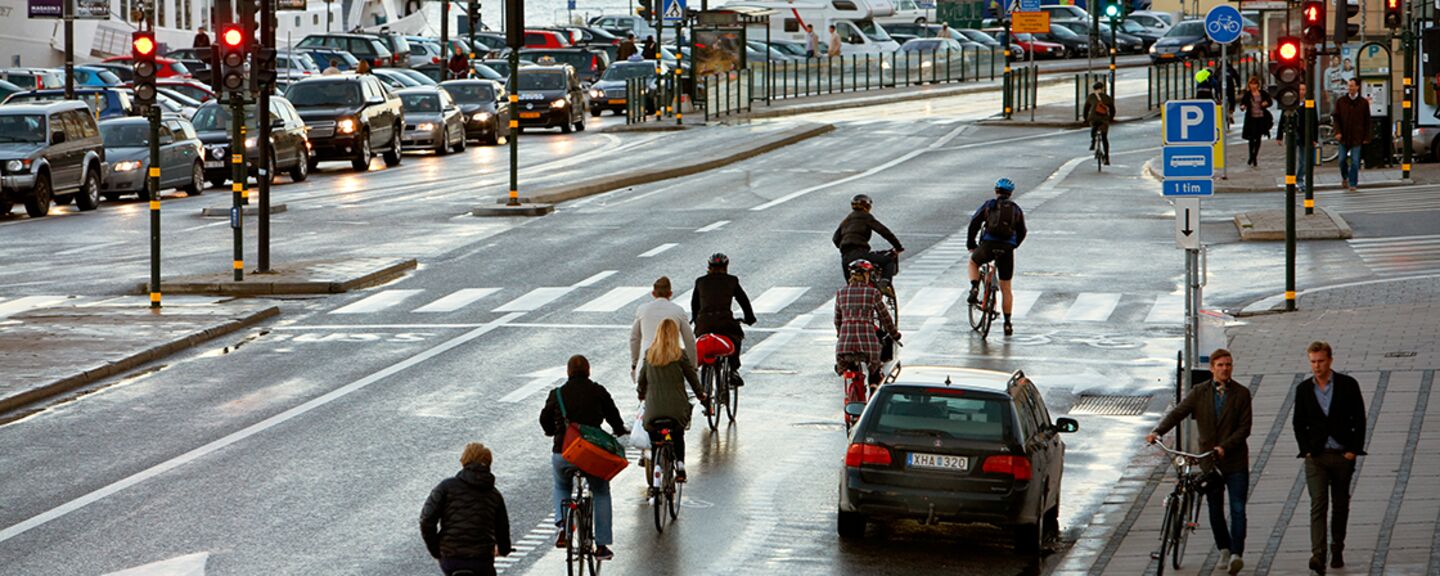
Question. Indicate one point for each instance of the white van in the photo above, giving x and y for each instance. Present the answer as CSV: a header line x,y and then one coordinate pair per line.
x,y
854,22
1060,12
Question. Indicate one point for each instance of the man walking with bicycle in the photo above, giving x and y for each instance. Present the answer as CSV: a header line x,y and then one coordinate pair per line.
x,y
1004,224
1221,409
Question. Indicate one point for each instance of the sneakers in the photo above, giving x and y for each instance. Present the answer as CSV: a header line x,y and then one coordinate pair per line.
x,y
1009,329
680,472
1317,566
974,298
1236,564
1224,557
604,553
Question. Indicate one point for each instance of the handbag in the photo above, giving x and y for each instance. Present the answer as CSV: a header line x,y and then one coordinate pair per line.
x,y
590,448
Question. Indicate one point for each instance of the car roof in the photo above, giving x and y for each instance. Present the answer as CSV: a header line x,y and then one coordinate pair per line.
x,y
427,89
957,377
43,107
341,77
557,68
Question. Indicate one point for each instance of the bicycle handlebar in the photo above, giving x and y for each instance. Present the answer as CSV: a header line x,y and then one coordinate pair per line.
x,y
1173,452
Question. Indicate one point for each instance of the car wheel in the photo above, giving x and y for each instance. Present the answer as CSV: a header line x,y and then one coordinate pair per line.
x,y
269,171
88,198
301,171
1030,538
197,180
596,112
921,20
37,204
1052,524
442,146
850,525
5,208
1434,151
361,161
392,156
462,142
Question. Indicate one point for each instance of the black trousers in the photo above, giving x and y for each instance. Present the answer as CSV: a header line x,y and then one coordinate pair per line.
x,y
1254,150
476,566
882,261
1327,476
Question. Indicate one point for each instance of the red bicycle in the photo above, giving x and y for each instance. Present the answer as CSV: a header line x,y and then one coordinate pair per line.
x,y
853,374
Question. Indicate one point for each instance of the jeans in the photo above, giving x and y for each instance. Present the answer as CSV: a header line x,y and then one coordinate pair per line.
x,y
1301,165
1350,164
476,566
599,489
1237,484
1327,476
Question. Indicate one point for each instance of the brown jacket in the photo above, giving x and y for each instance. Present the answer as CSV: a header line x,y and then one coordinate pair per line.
x,y
1352,119
1229,431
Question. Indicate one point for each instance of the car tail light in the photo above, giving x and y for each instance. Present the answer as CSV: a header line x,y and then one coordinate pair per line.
x,y
1015,466
867,455
435,60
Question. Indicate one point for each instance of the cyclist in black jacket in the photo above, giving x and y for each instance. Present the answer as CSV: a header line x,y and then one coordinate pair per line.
x,y
710,308
589,404
1004,225
853,238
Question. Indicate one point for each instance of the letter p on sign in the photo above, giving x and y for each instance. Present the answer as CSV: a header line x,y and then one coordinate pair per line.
x,y
1190,122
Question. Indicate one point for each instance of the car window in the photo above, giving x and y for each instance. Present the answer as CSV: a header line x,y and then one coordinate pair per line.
x,y
74,122
1190,28
324,94
125,134
547,80
166,136
22,128
420,102
186,130
945,413
476,93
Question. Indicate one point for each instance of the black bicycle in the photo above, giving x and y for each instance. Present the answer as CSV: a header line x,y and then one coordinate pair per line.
x,y
1182,507
1101,148
982,313
660,470
715,374
580,529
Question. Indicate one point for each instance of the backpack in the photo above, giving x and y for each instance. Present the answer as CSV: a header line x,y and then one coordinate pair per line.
x,y
1000,220
1100,108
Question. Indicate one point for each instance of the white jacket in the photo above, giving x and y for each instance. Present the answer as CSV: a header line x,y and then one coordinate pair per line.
x,y
647,320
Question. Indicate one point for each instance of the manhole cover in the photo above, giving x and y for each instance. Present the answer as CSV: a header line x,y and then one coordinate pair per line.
x,y
1399,354
1107,405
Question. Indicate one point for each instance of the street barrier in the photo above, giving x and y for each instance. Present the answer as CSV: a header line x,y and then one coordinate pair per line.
x,y
1021,89
1176,80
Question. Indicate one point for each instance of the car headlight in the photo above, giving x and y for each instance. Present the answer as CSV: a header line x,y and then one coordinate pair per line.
x,y
345,126
597,94
480,117
126,166
561,103
217,153
425,126
1187,47
1152,48
14,166
250,142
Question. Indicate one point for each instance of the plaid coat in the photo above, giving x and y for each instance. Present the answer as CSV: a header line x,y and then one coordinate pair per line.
x,y
856,307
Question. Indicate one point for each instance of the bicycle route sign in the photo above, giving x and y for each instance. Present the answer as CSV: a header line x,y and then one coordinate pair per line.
x,y
1223,24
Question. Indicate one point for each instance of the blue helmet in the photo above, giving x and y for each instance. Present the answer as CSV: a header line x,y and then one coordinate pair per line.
x,y
1004,186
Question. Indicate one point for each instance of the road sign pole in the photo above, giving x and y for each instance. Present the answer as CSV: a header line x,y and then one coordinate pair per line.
x,y
1224,111
1407,102
1290,217
69,15
262,140
152,183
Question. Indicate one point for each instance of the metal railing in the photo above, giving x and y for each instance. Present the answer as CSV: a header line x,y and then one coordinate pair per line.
x,y
1176,80
1021,89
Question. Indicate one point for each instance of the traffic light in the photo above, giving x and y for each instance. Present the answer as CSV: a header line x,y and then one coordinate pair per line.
x,y
474,14
1312,17
233,44
1344,29
646,9
1114,11
1393,16
1288,71
142,52
263,70
515,24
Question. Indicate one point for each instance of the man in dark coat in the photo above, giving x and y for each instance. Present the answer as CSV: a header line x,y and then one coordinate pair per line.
x,y
1330,430
589,404
710,308
1221,409
650,50
202,40
627,47
1352,129
852,237
464,522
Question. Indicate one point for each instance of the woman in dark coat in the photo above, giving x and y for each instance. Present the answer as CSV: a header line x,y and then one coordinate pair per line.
x,y
710,308
1256,104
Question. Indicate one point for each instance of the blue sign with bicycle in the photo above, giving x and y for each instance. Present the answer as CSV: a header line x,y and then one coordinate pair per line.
x,y
1188,162
1223,24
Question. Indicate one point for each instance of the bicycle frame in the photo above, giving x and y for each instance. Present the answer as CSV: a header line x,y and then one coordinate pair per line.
x,y
855,377
1182,507
579,528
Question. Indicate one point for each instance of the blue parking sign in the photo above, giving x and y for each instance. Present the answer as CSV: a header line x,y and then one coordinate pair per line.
x,y
1190,122
1188,161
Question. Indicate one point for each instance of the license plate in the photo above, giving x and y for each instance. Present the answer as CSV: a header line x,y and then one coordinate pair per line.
x,y
529,115
1167,55
938,461
214,163
617,100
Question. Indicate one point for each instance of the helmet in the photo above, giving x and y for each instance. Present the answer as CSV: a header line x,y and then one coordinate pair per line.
x,y
718,260
860,200
861,266
1004,186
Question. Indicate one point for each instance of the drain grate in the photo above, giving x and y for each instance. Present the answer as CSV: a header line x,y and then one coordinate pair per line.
x,y
1107,405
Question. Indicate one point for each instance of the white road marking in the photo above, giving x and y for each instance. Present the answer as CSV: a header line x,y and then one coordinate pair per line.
x,y
1024,301
27,303
757,354
377,302
932,301
1092,307
187,565
1168,308
539,380
595,279
615,299
656,251
777,298
251,430
534,299
712,227
87,248
457,300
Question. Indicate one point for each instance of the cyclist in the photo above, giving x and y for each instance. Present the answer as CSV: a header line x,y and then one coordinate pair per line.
x,y
1004,224
1100,112
710,308
589,404
858,306
661,386
853,238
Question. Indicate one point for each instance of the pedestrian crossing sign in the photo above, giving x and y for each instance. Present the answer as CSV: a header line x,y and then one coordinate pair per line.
x,y
674,10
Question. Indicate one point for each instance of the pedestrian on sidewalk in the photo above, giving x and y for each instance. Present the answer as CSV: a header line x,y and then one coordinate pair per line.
x,y
1207,87
1291,119
1258,120
201,40
1330,430
627,47
1352,130
647,321
464,522
650,50
812,42
1100,112
1221,409
833,49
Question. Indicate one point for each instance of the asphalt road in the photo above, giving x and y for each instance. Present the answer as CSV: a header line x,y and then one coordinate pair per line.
x,y
308,446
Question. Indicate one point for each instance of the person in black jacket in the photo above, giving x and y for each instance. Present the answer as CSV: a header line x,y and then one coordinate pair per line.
x,y
464,522
1330,430
852,237
589,404
710,308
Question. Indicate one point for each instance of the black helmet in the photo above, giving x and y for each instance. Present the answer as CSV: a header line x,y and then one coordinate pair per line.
x,y
861,266
718,260
860,201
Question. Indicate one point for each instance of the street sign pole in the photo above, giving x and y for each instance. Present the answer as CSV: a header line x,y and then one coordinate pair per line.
x,y
1188,158
1407,102
69,16
152,183
1290,218
515,37
262,140
1224,111
444,40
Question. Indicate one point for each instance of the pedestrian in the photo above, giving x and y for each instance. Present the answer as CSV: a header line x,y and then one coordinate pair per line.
x,y
464,522
627,47
1222,413
1232,90
581,401
648,318
651,50
661,387
812,42
363,67
1291,119
944,31
1256,105
1100,113
459,65
1330,430
1351,118
833,49
202,40
1206,86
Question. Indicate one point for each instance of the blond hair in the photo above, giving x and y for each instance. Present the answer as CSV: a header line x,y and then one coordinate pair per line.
x,y
476,453
666,347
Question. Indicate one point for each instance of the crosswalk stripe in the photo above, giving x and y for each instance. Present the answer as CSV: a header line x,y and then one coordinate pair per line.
x,y
615,299
684,298
1024,301
1392,239
776,299
26,303
1168,308
1399,254
1408,245
656,251
376,302
457,300
534,299
932,301
1093,307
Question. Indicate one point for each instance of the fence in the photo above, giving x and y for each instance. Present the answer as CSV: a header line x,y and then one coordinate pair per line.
x,y
1176,80
1021,89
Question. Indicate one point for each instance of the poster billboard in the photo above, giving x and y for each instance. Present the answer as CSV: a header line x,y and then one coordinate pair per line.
x,y
84,9
717,50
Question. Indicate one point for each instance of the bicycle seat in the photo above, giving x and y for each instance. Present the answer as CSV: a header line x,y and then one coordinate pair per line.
x,y
663,425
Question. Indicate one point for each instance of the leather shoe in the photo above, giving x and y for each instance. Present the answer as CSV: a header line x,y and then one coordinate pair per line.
x,y
1317,566
1337,559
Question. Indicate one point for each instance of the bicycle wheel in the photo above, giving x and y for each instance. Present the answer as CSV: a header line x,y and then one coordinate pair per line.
x,y
662,517
708,377
573,561
734,403
587,528
987,305
1329,146
1165,531
1189,516
1178,532
672,496
720,399
1099,159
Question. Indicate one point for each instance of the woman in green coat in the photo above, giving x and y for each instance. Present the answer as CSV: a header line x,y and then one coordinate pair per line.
x,y
662,389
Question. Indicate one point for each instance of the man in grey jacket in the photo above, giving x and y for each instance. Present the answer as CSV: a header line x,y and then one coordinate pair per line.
x,y
648,317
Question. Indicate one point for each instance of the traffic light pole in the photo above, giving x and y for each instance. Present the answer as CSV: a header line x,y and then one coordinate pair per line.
x,y
515,38
237,178
69,17
152,183
444,40
1008,103
262,140
1290,217
1407,104
1308,132
1113,24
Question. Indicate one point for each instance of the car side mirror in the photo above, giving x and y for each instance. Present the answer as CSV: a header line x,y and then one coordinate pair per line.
x,y
375,101
277,123
855,409
1066,425
57,138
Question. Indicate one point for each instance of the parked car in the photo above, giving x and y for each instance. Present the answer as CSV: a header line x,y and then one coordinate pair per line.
x,y
956,445
289,142
907,12
49,151
196,90
164,67
1040,48
794,49
350,117
1124,43
433,121
196,59
418,76
481,71
1161,21
293,65
1186,40
590,35
103,102
1074,43
399,48
1146,34
121,69
485,106
610,92
546,39
423,52
324,57
394,79
127,148
1066,12
361,46
551,97
624,23
6,89
184,100
589,63
33,78
95,76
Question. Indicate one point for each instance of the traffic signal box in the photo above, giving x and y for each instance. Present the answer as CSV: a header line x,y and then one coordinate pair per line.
x,y
1394,14
1115,12
142,51
233,44
1312,19
1288,72
1344,28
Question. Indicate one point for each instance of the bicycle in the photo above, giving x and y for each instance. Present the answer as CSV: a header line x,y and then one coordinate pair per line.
x,y
1101,148
660,471
715,374
854,374
579,528
983,314
1182,507
886,285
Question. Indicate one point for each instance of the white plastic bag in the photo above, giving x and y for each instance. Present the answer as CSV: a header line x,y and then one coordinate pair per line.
x,y
639,438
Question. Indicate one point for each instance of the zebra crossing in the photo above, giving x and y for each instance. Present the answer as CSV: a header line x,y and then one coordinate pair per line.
x,y
1380,200
1399,255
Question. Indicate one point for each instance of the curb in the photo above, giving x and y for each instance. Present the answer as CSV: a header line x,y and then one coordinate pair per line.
x,y
1327,187
152,354
517,210
1342,231
1064,124
252,288
1274,304
649,127
606,184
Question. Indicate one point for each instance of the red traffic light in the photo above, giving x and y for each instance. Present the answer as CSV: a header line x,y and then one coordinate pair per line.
x,y
142,44
232,36
1288,50
1314,13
